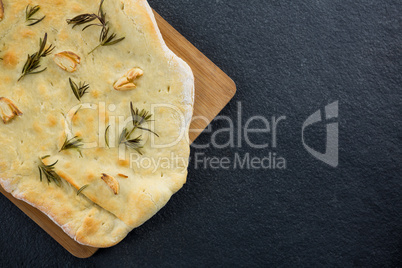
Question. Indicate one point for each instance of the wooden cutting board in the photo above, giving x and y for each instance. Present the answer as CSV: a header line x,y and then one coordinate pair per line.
x,y
213,90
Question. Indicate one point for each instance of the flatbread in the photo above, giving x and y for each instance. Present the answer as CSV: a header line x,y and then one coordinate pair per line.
x,y
105,210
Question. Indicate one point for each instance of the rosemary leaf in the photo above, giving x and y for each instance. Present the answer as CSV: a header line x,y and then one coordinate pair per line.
x,y
73,143
48,172
130,143
78,90
82,19
82,189
29,12
107,136
146,129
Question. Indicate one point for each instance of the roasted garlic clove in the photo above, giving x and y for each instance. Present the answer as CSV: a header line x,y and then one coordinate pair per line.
x,y
111,182
126,82
67,60
8,110
134,73
1,10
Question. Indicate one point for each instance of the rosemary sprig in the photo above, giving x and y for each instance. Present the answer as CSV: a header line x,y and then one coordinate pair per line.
x,y
104,38
130,143
86,18
48,172
138,118
101,17
107,40
33,61
82,189
29,12
78,90
82,19
73,143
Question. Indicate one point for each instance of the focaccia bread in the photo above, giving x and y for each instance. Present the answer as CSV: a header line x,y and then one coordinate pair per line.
x,y
95,117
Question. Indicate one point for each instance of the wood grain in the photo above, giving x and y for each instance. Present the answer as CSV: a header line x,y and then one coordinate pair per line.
x,y
213,90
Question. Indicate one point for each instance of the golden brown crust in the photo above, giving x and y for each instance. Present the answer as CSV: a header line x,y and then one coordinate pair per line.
x,y
74,213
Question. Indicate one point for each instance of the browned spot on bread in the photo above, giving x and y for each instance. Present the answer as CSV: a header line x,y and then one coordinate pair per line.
x,y
42,89
63,35
67,165
91,176
89,225
58,2
75,119
3,166
26,33
37,127
10,59
95,93
52,120
6,79
124,163
77,8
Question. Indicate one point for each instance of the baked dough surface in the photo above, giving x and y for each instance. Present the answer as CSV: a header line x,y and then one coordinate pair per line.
x,y
98,216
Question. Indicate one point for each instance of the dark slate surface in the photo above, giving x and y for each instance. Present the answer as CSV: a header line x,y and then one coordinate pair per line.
x,y
287,59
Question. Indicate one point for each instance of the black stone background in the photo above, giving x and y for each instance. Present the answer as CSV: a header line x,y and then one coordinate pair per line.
x,y
287,58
